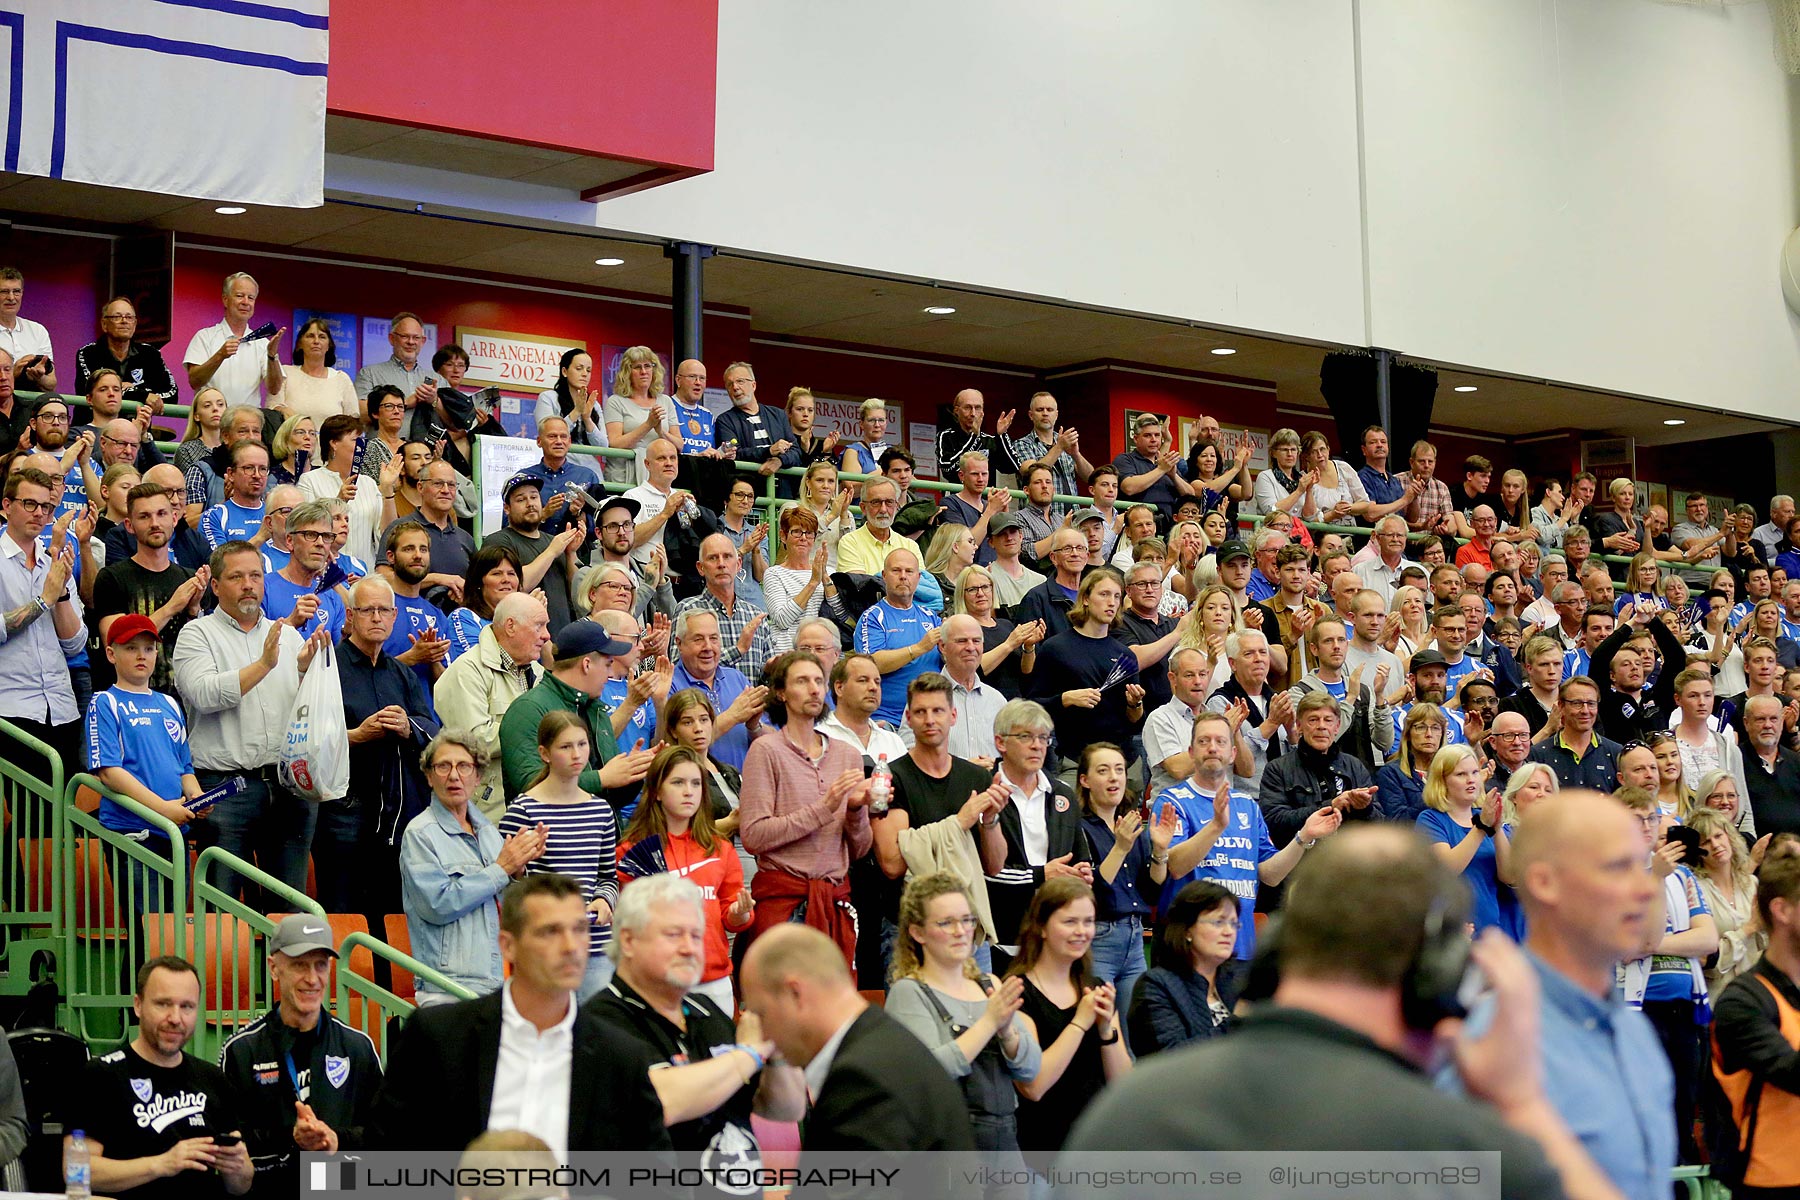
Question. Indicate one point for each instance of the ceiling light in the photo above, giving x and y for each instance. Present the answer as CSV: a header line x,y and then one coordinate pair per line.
x,y
230,210
1223,350
1468,387
1674,421
939,310
609,262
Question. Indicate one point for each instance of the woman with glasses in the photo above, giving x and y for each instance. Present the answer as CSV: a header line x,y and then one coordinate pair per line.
x,y
368,501
1643,581
291,453
313,386
448,884
1073,1018
799,587
637,413
1008,649
1282,486
863,456
1720,792
494,573
387,409
1190,992
967,1019
1337,493
1464,825
204,432
1400,785
750,536
1133,865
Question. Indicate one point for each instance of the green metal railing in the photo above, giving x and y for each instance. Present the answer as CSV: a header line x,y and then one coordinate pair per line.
x,y
30,893
229,940
123,903
365,1004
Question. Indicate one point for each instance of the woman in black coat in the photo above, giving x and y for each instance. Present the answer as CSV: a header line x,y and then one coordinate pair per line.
x,y
1189,994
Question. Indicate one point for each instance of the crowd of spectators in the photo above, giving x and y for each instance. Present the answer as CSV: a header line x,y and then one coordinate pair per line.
x,y
1043,765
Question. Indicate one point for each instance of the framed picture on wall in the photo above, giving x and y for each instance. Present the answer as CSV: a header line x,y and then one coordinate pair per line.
x,y
1659,494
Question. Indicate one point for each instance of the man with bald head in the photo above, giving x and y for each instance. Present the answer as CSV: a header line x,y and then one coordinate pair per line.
x,y
963,436
746,642
874,1087
975,700
1591,903
388,714
760,434
1509,745
899,635
475,691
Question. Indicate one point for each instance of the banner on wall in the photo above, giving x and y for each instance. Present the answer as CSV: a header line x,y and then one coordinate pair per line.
x,y
517,362
226,80
501,459
921,442
843,416
345,332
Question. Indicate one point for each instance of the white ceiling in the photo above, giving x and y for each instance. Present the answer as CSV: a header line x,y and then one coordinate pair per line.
x,y
804,301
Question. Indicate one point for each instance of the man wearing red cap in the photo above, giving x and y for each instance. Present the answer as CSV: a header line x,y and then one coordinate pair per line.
x,y
138,745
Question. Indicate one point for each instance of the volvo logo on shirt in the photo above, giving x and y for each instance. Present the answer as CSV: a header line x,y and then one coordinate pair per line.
x,y
164,1111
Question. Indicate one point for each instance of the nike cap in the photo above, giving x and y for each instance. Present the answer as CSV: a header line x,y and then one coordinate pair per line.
x,y
300,934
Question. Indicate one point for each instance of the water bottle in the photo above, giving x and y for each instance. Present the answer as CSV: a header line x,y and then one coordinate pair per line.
x,y
76,1167
881,786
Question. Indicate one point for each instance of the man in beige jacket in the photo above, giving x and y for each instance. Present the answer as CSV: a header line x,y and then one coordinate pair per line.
x,y
474,691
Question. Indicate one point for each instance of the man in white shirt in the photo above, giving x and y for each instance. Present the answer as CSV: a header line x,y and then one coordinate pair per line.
x,y
1170,728
34,366
657,500
1368,621
43,625
1552,570
545,1065
1382,572
222,356
856,694
976,701
237,672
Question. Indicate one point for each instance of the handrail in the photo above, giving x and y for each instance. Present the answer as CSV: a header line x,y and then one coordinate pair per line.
x,y
297,900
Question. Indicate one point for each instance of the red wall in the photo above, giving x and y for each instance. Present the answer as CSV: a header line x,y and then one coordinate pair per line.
x,y
632,79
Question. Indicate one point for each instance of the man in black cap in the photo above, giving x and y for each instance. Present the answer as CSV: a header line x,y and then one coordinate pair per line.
x,y
304,1080
1235,566
547,561
1012,578
578,674
1428,674
615,527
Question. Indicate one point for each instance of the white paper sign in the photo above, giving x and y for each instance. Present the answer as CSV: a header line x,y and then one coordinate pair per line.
x,y
1259,446
518,362
922,441
500,458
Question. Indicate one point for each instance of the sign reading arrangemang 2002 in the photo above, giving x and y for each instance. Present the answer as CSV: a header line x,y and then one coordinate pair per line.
x,y
517,362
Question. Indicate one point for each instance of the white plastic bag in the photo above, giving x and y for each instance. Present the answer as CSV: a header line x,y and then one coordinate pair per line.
x,y
315,759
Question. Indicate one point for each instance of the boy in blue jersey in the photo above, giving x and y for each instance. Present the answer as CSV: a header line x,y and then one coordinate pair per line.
x,y
137,743
295,587
242,515
1220,834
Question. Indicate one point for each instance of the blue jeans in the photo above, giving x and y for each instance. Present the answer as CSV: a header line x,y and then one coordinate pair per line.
x,y
599,974
1118,952
147,884
264,824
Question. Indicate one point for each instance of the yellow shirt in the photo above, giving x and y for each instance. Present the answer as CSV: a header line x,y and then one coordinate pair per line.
x,y
860,554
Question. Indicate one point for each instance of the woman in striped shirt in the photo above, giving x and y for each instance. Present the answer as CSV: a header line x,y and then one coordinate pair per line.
x,y
582,837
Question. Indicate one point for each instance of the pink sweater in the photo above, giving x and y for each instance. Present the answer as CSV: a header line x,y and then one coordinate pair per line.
x,y
784,819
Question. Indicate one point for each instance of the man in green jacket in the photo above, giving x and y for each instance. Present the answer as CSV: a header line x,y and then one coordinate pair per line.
x,y
578,671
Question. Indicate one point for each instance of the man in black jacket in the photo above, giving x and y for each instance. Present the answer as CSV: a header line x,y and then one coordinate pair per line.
x,y
1314,774
874,1085
446,1080
1040,811
304,1080
1756,1053
1630,710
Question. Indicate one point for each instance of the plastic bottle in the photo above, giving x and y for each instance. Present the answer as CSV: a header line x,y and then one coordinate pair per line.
x,y
881,786
76,1167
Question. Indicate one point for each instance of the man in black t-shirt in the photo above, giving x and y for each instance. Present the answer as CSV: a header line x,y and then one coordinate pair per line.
x,y
932,787
157,1119
709,1074
148,584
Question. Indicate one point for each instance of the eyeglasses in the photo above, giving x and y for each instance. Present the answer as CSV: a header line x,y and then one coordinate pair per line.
x,y
1030,739
620,584
1514,735
1581,704
953,924
1146,583
437,483
53,418
133,443
118,317
616,526
36,506
374,610
452,770
396,406
309,535
976,589
1218,922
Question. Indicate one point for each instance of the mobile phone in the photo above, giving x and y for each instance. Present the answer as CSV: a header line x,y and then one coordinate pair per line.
x,y
227,1139
1692,854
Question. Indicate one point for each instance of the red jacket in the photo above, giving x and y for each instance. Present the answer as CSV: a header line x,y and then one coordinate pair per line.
x,y
720,878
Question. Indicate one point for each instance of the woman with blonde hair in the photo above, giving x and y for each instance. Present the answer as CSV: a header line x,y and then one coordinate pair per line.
x,y
952,549
1529,784
1728,881
1514,510
1719,792
205,428
799,587
637,413
863,456
1008,648
829,502
1400,785
1672,796
1215,619
809,447
292,453
1642,583
1409,623
1469,837
968,1020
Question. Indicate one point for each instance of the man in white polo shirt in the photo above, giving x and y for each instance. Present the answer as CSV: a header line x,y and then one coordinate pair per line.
x,y
34,367
223,357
